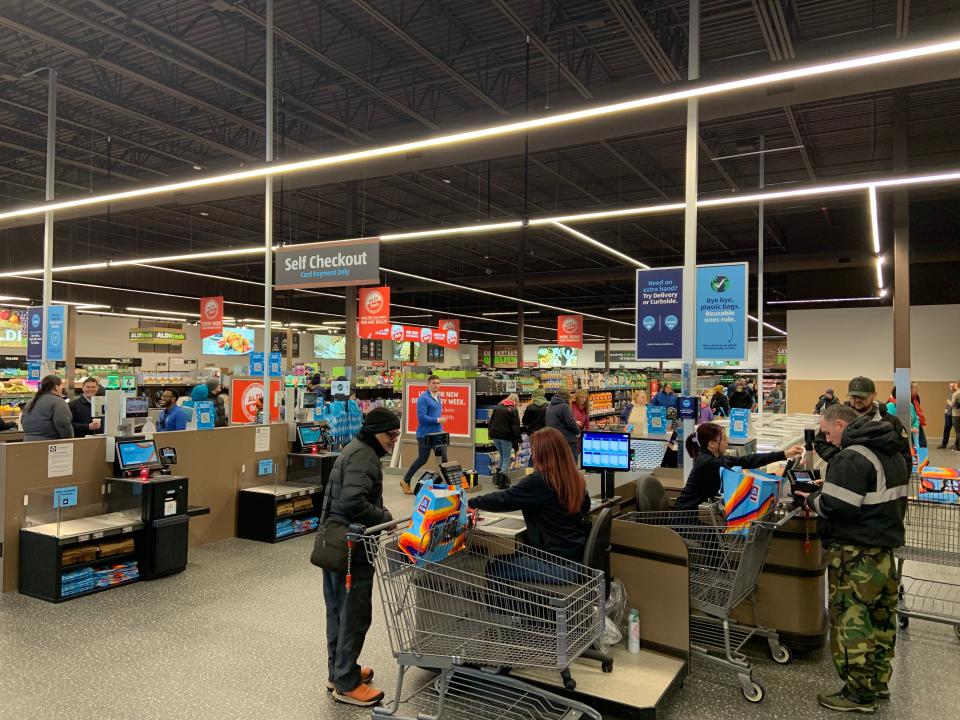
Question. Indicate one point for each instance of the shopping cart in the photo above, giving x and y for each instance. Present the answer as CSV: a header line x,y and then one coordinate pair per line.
x,y
494,604
725,564
932,536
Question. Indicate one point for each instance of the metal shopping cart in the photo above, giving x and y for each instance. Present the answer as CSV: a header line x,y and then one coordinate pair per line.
x,y
725,564
494,604
932,536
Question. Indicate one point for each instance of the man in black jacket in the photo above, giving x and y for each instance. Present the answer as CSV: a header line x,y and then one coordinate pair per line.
x,y
860,511
741,397
862,399
560,416
81,410
356,497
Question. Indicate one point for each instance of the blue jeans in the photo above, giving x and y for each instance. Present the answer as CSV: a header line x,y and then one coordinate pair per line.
x,y
422,457
525,568
505,448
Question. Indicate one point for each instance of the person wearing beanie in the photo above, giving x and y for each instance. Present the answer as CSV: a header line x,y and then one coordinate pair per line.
x,y
356,497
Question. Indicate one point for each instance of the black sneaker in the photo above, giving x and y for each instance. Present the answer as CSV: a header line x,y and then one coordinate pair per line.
x,y
841,702
883,692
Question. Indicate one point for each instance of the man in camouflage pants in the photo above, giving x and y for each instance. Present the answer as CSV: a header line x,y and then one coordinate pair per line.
x,y
860,511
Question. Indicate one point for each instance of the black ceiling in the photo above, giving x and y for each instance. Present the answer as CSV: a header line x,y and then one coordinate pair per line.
x,y
148,90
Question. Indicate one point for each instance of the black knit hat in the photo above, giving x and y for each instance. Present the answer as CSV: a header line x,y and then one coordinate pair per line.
x,y
381,420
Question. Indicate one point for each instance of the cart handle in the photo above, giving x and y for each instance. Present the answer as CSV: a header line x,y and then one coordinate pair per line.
x,y
363,530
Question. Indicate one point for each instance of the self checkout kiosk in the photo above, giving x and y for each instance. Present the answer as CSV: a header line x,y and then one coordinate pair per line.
x,y
142,470
312,457
606,453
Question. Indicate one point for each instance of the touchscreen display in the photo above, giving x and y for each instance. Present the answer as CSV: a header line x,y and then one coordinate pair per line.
x,y
136,407
309,434
138,454
606,451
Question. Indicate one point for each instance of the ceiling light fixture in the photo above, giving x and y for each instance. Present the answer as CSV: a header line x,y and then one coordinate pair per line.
x,y
880,272
600,246
951,45
824,300
132,315
511,312
768,325
874,219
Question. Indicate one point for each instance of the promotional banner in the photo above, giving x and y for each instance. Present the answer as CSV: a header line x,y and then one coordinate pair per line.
x,y
374,311
157,336
232,341
455,400
739,423
56,333
449,333
278,342
211,316
722,312
328,264
35,333
570,331
244,394
410,333
13,327
659,311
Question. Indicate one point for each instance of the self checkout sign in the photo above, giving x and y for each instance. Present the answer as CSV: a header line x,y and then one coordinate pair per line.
x,y
65,496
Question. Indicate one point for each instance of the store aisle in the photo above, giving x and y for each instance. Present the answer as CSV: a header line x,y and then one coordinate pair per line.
x,y
239,636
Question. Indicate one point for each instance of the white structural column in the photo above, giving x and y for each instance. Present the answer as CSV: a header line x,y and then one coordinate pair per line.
x,y
762,157
268,224
48,215
690,230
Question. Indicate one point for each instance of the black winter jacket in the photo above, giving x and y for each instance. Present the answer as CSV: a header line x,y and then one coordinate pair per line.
x,y
703,483
560,416
356,493
826,451
720,404
535,417
81,413
505,424
741,399
864,496
823,402
549,526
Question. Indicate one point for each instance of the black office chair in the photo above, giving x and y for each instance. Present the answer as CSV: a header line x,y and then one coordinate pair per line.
x,y
650,495
596,555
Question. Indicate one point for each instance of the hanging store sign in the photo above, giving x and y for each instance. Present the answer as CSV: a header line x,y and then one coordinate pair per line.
x,y
374,311
328,264
447,333
35,333
211,316
600,356
55,334
256,364
371,350
278,342
659,328
570,331
157,336
722,312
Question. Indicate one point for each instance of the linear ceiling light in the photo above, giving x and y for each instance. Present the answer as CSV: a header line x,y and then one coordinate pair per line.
x,y
874,219
768,325
823,300
4,298
880,272
511,312
133,315
951,45
502,297
600,246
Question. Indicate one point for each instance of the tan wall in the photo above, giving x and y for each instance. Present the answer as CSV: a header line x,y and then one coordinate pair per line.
x,y
217,462
802,396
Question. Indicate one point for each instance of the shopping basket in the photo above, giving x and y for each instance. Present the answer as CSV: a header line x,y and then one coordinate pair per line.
x,y
492,604
932,536
724,566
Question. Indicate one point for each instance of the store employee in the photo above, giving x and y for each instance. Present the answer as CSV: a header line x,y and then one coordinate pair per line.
x,y
81,410
430,419
172,416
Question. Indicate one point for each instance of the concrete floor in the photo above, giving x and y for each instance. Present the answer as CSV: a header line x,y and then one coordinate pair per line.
x,y
239,635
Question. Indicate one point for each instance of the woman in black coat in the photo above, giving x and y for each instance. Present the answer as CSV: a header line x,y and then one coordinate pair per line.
x,y
504,429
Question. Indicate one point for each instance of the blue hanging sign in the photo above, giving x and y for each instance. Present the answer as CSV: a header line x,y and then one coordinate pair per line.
x,y
656,420
55,334
35,333
206,414
256,364
722,312
276,364
659,329
688,408
739,424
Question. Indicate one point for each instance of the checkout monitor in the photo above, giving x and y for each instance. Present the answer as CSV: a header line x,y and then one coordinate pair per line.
x,y
606,451
134,407
136,454
309,435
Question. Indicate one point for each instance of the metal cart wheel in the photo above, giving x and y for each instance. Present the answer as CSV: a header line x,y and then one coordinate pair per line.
x,y
781,655
755,694
607,666
903,622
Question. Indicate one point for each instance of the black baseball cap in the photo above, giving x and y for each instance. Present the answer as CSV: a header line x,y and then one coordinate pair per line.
x,y
861,387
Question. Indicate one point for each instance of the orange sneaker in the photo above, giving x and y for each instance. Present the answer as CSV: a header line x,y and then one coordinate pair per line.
x,y
366,675
405,486
362,695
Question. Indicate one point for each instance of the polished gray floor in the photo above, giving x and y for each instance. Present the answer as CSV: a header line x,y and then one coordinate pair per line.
x,y
239,635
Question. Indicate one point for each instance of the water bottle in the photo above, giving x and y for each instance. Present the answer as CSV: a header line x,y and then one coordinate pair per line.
x,y
633,631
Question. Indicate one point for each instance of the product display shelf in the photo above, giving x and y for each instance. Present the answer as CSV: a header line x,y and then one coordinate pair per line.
x,y
41,546
257,509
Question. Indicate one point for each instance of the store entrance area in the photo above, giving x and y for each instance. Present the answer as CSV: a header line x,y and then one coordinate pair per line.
x,y
240,636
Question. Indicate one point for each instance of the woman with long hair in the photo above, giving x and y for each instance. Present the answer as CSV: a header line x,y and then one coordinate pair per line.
x,y
554,503
635,413
47,415
708,447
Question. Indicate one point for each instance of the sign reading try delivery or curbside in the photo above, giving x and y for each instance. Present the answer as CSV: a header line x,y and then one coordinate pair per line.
x,y
328,264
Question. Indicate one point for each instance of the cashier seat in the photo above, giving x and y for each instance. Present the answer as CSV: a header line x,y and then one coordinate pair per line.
x,y
596,555
650,495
